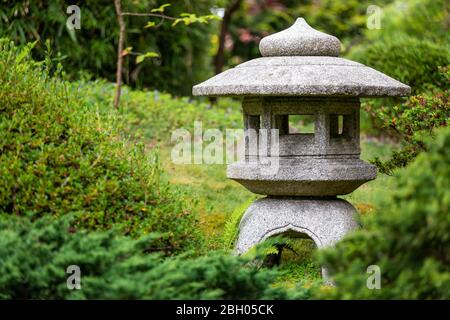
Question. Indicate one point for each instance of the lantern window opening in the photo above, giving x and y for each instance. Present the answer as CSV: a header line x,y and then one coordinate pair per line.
x,y
341,126
301,123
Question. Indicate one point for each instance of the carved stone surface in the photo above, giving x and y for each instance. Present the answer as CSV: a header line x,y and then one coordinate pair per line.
x,y
300,40
301,76
325,221
303,177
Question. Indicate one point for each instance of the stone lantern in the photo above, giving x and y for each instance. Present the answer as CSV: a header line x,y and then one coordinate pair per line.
x,y
300,74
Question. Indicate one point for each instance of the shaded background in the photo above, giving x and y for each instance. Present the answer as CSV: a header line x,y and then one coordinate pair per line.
x,y
188,52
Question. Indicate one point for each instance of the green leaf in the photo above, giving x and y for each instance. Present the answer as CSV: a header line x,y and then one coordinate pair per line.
x,y
25,51
150,24
146,55
176,22
189,18
126,51
161,8
139,59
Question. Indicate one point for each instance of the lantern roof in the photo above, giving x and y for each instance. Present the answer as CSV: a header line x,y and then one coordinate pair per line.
x,y
301,61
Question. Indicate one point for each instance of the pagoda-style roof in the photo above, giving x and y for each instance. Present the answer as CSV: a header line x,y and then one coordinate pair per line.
x,y
301,61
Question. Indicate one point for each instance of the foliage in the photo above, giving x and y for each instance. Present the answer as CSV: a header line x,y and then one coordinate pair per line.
x,y
183,59
257,19
231,228
299,266
411,121
412,47
271,249
186,18
294,259
411,44
344,19
407,238
61,153
154,115
116,267
422,58
65,151
150,117
190,18
420,19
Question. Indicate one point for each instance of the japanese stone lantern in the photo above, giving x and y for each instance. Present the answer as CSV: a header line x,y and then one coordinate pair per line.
x,y
300,73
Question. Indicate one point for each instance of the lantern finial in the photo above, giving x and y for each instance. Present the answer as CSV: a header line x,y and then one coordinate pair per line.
x,y
300,40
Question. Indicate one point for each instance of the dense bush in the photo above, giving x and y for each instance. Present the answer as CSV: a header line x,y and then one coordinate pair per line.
x,y
421,19
116,267
93,48
411,122
60,153
412,61
407,238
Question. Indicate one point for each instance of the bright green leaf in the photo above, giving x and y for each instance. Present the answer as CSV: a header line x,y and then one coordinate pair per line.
x,y
146,55
161,8
150,24
126,51
139,59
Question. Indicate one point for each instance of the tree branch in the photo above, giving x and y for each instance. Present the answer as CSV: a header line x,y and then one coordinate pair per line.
x,y
120,46
219,59
156,15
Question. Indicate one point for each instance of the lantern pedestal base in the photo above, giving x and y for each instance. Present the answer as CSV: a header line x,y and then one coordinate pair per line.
x,y
324,220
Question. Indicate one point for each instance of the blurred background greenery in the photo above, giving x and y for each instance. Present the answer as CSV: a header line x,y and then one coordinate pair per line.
x,y
187,52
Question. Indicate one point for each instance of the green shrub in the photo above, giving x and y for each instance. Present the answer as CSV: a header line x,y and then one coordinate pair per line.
x,y
411,122
35,257
407,238
60,154
421,19
409,60
410,46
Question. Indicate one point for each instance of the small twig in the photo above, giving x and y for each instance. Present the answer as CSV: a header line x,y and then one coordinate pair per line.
x,y
219,58
132,53
160,23
156,15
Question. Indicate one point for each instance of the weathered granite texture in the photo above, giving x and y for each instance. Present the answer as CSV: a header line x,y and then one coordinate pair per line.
x,y
300,40
325,221
304,177
301,76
